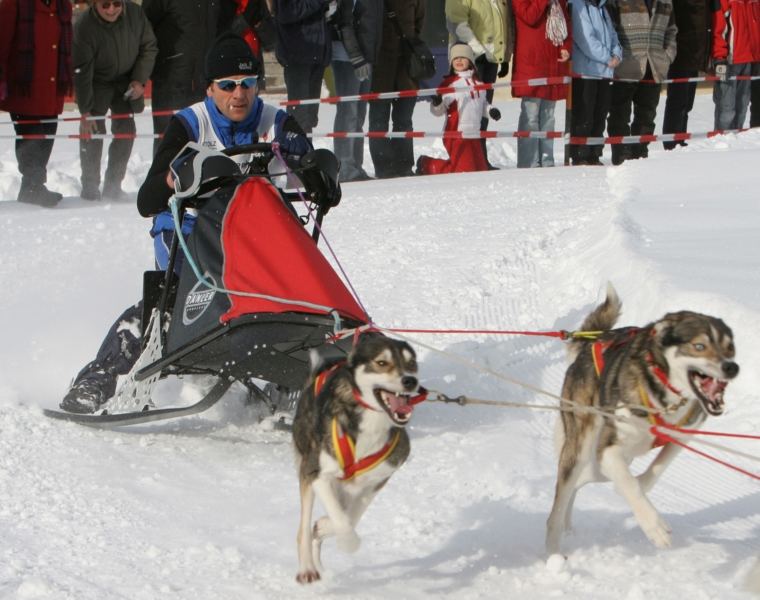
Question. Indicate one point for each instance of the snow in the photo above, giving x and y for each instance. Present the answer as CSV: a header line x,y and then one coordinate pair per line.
x,y
207,506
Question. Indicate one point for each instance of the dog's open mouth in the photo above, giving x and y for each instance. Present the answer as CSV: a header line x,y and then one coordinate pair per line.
x,y
397,406
709,390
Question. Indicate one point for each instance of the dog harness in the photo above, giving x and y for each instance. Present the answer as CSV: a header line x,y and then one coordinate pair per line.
x,y
345,446
598,349
345,452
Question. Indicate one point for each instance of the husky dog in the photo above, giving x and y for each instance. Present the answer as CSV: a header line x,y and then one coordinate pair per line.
x,y
349,438
671,372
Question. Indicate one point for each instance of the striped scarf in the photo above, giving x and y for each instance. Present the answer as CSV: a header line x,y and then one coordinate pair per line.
x,y
25,47
556,26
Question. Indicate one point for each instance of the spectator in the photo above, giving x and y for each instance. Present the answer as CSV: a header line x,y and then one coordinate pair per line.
x,y
647,33
754,102
542,49
735,52
253,22
394,157
489,28
114,54
693,19
596,53
464,110
35,75
184,30
357,30
303,50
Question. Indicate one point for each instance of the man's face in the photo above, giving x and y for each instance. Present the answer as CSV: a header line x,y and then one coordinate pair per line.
x,y
109,10
234,95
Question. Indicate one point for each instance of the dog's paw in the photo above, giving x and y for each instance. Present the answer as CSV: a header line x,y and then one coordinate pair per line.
x,y
307,576
658,532
348,542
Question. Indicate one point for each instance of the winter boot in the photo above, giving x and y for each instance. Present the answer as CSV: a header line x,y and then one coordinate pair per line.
x,y
113,191
39,195
85,396
90,191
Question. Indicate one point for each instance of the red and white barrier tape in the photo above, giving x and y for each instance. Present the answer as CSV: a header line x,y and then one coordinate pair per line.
x,y
536,82
459,135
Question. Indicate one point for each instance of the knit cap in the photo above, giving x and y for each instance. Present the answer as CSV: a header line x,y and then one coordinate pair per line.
x,y
230,55
461,50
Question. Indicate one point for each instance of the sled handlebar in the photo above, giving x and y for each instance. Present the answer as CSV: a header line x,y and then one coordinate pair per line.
x,y
256,148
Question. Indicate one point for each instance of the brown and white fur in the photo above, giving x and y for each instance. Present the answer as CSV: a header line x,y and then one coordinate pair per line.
x,y
383,372
695,352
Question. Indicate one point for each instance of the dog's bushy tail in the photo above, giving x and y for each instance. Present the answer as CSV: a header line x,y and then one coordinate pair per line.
x,y
602,318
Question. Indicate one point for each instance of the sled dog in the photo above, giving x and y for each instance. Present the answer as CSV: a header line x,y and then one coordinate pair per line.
x,y
671,372
349,439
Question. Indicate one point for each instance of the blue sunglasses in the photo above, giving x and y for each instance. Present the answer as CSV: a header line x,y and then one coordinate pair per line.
x,y
228,85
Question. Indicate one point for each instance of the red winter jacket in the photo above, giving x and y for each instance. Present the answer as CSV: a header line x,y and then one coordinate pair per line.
x,y
44,98
736,31
535,56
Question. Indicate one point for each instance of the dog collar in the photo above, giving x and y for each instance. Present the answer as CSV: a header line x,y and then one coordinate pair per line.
x,y
345,452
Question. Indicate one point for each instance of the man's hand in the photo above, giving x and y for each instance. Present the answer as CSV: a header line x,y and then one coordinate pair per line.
x,y
613,62
87,126
134,91
436,100
721,70
564,56
293,143
503,70
362,71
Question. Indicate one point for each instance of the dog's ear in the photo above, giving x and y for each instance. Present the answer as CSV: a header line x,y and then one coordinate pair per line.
x,y
663,332
361,344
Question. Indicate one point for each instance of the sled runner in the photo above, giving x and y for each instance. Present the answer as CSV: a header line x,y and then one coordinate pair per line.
x,y
254,294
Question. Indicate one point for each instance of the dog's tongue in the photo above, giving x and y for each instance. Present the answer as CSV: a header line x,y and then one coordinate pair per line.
x,y
398,404
713,388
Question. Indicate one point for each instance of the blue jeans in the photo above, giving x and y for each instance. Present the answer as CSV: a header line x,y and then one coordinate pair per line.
x,y
536,114
732,98
349,116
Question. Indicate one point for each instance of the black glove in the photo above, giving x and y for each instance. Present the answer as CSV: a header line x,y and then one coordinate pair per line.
x,y
494,113
436,100
293,143
503,70
721,70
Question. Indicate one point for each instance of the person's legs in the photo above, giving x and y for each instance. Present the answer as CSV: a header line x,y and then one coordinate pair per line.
x,y
487,73
304,82
546,123
33,156
346,119
754,106
619,118
96,382
731,98
90,153
645,100
402,149
678,104
527,148
120,149
379,148
584,106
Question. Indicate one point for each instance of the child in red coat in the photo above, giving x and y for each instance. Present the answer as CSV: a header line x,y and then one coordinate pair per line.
x,y
464,110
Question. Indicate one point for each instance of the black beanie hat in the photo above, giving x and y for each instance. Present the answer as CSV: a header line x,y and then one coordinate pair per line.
x,y
230,55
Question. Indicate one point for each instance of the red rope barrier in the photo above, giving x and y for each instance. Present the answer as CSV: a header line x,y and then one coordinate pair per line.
x,y
556,334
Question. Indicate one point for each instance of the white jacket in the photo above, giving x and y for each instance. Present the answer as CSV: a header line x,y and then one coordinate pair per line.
x,y
471,104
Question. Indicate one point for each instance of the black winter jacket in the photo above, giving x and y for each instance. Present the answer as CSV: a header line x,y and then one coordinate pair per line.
x,y
185,30
303,35
107,56
359,26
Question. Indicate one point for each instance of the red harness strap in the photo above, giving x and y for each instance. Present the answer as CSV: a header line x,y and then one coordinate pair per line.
x,y
345,450
597,353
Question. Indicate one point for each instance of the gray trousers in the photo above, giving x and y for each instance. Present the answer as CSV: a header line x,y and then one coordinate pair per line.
x,y
731,98
91,151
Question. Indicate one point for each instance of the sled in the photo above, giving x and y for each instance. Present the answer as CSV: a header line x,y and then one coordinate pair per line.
x,y
254,293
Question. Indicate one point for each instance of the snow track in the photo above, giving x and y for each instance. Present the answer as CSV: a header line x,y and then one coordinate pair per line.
x,y
207,507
